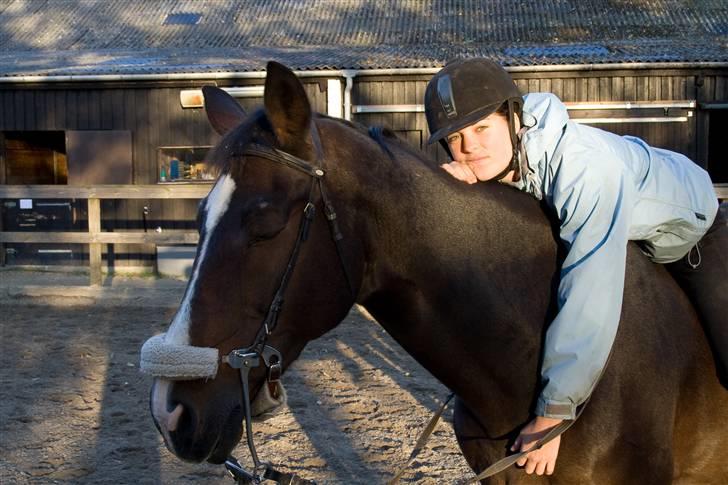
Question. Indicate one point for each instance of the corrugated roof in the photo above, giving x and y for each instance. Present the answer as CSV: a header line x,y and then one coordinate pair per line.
x,y
63,37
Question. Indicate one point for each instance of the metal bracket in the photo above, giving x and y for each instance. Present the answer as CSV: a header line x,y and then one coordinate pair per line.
x,y
274,362
240,358
250,359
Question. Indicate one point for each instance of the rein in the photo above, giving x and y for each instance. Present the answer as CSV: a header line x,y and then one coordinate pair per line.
x,y
494,468
251,357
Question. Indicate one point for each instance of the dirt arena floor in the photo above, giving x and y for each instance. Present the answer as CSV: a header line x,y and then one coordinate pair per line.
x,y
74,406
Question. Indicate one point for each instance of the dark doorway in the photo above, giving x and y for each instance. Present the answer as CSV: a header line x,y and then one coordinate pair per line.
x,y
37,158
718,146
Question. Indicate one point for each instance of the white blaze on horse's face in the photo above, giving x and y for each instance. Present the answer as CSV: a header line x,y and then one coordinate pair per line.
x,y
217,204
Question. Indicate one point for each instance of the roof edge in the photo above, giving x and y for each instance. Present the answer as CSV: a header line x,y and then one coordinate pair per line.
x,y
351,72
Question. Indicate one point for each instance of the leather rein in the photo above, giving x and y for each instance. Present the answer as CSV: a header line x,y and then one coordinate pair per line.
x,y
251,357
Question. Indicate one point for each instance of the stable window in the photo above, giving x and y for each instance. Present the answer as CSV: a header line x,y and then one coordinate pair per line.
x,y
183,164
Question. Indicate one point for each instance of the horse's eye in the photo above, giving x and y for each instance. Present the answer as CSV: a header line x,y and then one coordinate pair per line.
x,y
264,222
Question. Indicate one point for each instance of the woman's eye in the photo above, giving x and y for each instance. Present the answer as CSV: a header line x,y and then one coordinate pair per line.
x,y
481,128
453,139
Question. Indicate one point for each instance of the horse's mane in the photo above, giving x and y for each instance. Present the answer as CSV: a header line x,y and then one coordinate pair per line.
x,y
381,134
387,139
227,155
399,150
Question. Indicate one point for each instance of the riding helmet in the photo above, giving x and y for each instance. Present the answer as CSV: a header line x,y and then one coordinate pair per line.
x,y
465,91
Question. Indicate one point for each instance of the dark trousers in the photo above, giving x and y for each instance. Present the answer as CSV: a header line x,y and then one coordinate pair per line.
x,y
707,286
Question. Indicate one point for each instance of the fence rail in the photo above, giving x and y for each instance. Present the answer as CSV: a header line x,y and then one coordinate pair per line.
x,y
161,191
95,237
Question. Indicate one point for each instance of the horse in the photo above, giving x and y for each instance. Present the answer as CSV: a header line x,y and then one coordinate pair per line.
x,y
462,276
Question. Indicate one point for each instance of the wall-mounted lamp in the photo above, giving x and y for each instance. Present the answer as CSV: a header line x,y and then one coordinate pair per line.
x,y
193,98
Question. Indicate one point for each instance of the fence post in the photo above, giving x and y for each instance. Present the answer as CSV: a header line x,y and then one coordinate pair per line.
x,y
94,248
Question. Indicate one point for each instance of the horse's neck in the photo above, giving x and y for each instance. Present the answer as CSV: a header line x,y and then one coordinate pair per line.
x,y
462,281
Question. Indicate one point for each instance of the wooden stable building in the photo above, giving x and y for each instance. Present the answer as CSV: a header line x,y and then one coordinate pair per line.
x,y
108,92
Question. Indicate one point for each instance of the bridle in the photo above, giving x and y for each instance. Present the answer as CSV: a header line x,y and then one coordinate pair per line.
x,y
250,357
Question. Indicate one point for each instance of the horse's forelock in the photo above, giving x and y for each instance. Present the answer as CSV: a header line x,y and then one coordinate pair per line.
x,y
227,155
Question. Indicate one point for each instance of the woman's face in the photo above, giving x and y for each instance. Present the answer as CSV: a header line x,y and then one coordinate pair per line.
x,y
485,147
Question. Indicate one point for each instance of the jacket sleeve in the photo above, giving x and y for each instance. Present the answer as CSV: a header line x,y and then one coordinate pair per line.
x,y
593,199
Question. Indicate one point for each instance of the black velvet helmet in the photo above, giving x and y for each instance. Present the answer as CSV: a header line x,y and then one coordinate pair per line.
x,y
465,91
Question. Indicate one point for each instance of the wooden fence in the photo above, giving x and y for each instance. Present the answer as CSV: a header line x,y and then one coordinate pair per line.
x,y
95,237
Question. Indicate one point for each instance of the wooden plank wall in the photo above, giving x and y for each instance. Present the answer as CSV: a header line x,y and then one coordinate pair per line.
x,y
624,86
684,137
152,112
370,90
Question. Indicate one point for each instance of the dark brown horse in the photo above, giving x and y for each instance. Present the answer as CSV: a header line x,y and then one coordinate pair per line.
x,y
463,277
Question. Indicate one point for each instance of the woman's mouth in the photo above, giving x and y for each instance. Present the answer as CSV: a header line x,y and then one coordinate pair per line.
x,y
477,161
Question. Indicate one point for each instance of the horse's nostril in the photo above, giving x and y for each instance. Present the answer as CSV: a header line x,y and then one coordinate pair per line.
x,y
173,418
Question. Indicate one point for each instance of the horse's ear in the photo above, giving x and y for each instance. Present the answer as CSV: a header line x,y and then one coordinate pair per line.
x,y
286,105
222,110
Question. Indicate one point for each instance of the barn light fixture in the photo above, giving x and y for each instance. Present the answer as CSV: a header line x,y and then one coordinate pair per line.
x,y
193,98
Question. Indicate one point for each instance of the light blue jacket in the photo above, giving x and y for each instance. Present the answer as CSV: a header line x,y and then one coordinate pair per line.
x,y
605,189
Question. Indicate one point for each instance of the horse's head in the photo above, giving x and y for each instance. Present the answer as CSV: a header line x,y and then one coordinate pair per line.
x,y
271,167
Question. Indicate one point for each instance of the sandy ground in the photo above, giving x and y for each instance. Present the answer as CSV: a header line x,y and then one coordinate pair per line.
x,y
74,406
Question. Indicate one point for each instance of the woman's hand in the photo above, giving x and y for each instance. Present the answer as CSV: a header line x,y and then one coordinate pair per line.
x,y
543,460
460,171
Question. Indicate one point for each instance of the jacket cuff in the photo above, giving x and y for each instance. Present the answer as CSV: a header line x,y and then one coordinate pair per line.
x,y
555,409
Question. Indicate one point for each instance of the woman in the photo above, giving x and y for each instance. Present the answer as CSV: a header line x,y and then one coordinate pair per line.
x,y
605,190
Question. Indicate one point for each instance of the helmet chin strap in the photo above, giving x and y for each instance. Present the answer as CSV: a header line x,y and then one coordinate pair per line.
x,y
513,164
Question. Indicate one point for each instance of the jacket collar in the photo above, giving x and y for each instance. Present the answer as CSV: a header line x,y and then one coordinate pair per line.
x,y
544,118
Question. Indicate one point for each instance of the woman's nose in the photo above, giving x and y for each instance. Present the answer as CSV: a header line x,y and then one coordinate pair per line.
x,y
469,144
